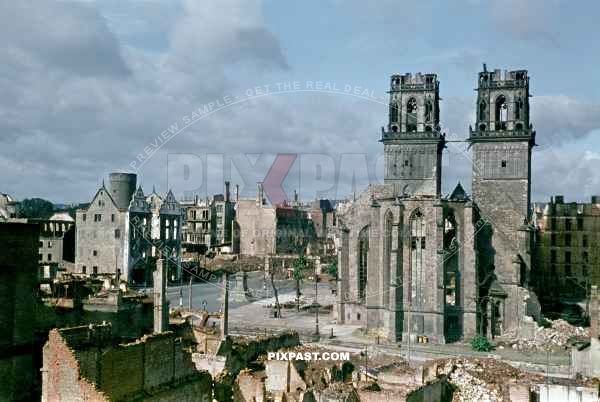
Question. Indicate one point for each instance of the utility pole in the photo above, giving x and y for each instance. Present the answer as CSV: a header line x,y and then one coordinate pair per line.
x,y
316,304
225,313
190,294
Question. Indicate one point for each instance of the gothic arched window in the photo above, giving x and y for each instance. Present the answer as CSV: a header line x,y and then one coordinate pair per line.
x,y
428,111
417,246
363,258
387,260
393,112
519,109
411,115
482,111
501,112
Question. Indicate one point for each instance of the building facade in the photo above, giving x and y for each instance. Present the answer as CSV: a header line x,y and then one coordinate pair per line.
x,y
414,264
566,262
121,233
57,242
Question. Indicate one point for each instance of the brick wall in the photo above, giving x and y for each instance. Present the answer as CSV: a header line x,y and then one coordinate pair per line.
x,y
79,363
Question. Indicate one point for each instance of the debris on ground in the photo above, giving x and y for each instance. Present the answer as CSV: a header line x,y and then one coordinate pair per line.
x,y
559,335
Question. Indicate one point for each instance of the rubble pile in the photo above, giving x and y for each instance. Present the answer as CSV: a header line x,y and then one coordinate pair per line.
x,y
557,336
482,379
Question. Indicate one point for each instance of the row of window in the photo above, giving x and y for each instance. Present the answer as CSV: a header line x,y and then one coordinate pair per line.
x,y
568,270
94,270
568,240
585,257
41,257
568,224
50,244
98,217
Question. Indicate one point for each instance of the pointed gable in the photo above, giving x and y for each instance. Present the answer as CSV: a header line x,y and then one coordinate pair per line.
x,y
139,203
170,205
102,197
459,194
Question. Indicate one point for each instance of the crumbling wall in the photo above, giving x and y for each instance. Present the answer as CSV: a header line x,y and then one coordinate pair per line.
x,y
61,379
249,387
240,353
79,363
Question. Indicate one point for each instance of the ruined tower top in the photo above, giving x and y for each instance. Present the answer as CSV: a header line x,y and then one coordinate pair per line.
x,y
413,142
414,106
502,106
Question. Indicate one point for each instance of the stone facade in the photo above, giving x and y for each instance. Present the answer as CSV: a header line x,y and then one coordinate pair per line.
x,y
54,241
566,261
121,231
419,266
83,363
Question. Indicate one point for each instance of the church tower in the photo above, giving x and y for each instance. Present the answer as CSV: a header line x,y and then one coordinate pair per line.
x,y
501,142
412,142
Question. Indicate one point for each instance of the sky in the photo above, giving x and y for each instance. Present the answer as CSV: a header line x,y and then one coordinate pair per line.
x,y
91,87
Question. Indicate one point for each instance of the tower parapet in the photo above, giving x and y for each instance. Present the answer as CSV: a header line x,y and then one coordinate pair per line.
x,y
502,107
413,142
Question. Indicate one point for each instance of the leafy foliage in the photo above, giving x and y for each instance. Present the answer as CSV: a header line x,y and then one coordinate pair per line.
x,y
481,344
299,267
332,269
35,208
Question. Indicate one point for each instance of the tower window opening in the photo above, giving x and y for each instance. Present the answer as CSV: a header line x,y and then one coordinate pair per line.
x,y
482,111
501,113
411,115
428,111
503,163
519,109
393,112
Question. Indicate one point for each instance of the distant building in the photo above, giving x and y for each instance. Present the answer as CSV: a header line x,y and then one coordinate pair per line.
x,y
8,207
57,242
197,226
255,226
207,222
567,259
223,212
295,232
122,231
324,219
262,230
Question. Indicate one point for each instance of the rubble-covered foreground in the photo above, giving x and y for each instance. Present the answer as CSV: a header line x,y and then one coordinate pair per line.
x,y
557,336
486,380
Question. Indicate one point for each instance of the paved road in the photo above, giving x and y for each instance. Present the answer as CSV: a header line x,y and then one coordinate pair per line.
x,y
211,292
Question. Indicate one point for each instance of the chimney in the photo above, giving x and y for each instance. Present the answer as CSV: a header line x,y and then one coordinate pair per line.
x,y
226,191
237,193
259,194
594,312
161,305
295,198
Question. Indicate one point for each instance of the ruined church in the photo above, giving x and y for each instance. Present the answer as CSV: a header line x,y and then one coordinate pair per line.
x,y
414,264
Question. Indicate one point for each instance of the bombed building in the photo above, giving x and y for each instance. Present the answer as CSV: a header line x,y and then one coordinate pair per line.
x,y
122,232
416,264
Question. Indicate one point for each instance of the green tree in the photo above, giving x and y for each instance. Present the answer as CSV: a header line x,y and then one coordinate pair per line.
x,y
332,269
299,267
35,208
